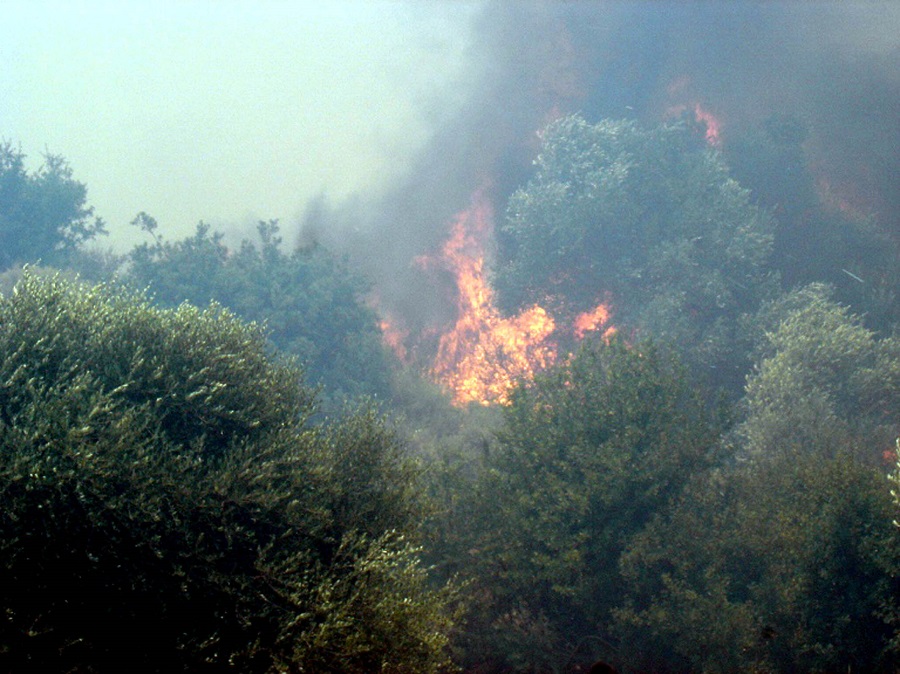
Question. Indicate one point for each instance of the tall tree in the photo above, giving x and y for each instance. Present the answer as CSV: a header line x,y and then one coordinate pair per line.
x,y
43,215
650,219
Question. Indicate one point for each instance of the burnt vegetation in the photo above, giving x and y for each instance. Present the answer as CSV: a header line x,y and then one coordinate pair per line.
x,y
209,461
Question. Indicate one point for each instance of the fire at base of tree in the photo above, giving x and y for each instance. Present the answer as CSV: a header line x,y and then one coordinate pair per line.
x,y
649,426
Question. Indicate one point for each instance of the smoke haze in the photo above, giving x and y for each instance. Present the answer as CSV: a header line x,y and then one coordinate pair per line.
x,y
374,122
834,66
226,111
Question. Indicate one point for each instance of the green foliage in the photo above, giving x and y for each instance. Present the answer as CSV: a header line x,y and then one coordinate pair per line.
x,y
823,381
783,560
43,216
588,453
310,303
650,219
167,506
781,565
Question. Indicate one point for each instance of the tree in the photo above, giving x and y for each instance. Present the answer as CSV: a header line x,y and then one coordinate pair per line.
x,y
649,218
822,382
310,302
783,564
588,454
782,559
166,504
43,216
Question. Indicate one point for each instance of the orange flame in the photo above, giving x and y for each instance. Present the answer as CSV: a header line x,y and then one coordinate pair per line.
x,y
701,114
484,354
713,125
394,337
590,321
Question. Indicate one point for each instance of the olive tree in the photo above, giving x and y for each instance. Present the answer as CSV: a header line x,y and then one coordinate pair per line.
x,y
167,503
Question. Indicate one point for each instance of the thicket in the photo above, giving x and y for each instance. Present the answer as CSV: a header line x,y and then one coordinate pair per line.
x,y
167,462
166,505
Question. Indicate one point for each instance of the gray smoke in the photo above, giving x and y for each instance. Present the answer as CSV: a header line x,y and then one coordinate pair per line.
x,y
835,66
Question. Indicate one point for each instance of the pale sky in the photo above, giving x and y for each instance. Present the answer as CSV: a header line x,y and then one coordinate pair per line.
x,y
227,111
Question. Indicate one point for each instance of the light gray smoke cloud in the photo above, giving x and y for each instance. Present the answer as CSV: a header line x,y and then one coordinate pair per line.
x,y
835,66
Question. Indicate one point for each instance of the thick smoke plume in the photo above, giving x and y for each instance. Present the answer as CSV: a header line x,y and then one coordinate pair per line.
x,y
834,66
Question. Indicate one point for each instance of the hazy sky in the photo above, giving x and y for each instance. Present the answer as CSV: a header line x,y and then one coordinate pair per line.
x,y
227,111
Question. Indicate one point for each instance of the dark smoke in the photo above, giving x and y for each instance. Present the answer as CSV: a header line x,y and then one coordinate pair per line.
x,y
834,66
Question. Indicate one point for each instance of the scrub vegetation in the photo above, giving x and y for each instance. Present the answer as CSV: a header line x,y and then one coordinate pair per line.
x,y
209,462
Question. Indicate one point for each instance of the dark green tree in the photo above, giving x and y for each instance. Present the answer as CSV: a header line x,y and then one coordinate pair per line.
x,y
166,505
43,215
651,220
784,564
823,382
310,302
783,559
588,454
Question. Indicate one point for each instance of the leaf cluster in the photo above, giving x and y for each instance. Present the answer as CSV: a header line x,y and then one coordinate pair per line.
x,y
43,215
167,505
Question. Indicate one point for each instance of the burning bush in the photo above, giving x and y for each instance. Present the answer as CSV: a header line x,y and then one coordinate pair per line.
x,y
649,217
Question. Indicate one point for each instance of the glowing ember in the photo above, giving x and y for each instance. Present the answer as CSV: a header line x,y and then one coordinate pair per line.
x,y
712,124
394,337
484,354
590,321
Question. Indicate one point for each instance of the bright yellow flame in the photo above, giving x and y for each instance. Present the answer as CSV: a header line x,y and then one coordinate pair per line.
x,y
483,355
481,358
593,320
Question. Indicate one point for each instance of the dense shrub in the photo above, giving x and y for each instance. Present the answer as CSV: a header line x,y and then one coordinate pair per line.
x,y
165,503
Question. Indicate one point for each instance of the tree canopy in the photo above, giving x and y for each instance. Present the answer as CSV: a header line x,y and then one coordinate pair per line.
x,y
822,380
587,455
651,220
43,215
310,302
783,558
165,503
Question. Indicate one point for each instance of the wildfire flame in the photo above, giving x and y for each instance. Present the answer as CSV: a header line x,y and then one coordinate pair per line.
x,y
701,114
590,321
680,89
395,337
482,356
712,124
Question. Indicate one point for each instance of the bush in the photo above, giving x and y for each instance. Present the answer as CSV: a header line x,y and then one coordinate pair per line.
x,y
166,503
587,455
